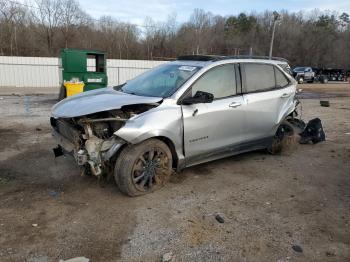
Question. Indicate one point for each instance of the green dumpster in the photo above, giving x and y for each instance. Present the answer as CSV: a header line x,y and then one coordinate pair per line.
x,y
81,70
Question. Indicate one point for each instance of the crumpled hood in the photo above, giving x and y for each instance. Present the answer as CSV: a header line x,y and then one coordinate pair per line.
x,y
98,100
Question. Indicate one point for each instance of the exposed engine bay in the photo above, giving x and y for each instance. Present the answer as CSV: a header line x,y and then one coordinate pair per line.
x,y
90,138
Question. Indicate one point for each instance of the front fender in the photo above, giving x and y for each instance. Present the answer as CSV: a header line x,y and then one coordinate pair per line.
x,y
162,121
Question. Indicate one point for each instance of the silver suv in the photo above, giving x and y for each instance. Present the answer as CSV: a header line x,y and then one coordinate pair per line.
x,y
182,113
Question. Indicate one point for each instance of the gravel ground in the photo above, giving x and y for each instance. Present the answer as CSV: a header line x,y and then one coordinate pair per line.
x,y
269,203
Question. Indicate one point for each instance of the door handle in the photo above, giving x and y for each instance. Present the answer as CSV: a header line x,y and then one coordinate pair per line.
x,y
285,95
235,104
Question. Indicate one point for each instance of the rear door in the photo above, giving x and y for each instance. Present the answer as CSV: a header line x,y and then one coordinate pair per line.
x,y
210,128
268,95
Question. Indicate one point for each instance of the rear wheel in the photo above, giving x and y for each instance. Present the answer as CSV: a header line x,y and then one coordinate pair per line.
x,y
284,137
143,168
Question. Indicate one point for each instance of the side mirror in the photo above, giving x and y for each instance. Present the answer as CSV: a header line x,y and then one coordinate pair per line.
x,y
199,97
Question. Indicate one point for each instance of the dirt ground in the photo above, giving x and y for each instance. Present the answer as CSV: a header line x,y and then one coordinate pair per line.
x,y
269,203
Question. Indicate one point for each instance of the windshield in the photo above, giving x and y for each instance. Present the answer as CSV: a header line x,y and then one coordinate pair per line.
x,y
299,69
161,81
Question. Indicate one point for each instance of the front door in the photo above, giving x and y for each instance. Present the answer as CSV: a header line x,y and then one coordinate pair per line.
x,y
213,127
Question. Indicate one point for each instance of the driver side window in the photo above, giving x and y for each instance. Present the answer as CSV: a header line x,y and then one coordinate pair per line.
x,y
219,81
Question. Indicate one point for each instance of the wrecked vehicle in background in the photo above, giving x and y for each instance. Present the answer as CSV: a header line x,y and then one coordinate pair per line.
x,y
304,74
186,112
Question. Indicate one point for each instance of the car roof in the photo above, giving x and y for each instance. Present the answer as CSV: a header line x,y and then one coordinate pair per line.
x,y
204,60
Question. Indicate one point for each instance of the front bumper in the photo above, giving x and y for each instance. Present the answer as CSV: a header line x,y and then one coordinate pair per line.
x,y
63,142
95,151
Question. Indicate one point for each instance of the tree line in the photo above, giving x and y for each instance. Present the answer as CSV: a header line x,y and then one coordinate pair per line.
x,y
43,27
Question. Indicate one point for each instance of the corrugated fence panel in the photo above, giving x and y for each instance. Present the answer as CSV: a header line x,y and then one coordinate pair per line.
x,y
44,71
28,71
119,71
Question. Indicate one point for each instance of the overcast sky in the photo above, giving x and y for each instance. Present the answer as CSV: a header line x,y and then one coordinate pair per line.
x,y
135,11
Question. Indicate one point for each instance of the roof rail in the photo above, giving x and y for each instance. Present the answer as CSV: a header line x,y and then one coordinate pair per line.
x,y
256,57
220,57
200,57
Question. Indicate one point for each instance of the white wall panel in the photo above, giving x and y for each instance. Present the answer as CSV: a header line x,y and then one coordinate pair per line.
x,y
44,71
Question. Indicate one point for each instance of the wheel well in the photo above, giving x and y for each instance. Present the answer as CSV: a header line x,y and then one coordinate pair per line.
x,y
164,139
171,146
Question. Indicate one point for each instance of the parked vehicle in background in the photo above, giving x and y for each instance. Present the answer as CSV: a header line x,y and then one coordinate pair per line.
x,y
334,74
179,114
304,74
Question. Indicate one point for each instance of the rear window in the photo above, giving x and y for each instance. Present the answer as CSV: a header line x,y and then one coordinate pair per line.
x,y
259,77
263,77
286,68
281,79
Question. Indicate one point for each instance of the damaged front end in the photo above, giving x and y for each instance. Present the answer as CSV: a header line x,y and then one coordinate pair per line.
x,y
90,139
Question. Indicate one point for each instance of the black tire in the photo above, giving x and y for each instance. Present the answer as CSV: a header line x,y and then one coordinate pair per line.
x,y
300,80
62,94
285,135
137,171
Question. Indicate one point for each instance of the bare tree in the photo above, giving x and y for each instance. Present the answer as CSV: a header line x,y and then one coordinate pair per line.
x,y
42,27
72,16
13,16
48,16
201,22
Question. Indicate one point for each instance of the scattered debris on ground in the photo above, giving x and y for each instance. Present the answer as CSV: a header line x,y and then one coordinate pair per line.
x,y
76,259
219,218
313,132
297,248
168,257
324,103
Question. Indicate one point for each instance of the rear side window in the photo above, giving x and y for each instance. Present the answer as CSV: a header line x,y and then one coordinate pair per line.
x,y
286,68
281,80
219,81
259,77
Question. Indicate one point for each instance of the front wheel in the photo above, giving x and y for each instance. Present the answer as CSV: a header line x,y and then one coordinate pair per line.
x,y
143,168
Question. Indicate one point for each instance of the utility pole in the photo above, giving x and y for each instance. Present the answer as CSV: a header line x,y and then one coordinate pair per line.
x,y
276,17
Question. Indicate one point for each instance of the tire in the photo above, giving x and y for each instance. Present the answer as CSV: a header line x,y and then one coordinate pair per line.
x,y
300,80
322,79
62,94
285,135
137,173
311,80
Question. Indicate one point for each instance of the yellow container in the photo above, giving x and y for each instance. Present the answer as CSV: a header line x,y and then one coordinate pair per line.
x,y
74,88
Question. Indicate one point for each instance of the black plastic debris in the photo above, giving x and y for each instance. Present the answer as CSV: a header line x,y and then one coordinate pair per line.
x,y
57,151
219,218
313,132
297,248
324,103
54,193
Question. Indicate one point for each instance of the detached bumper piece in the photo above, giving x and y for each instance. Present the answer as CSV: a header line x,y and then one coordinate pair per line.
x,y
57,151
313,132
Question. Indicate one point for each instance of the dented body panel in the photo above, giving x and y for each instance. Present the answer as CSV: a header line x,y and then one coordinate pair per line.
x,y
103,99
162,121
